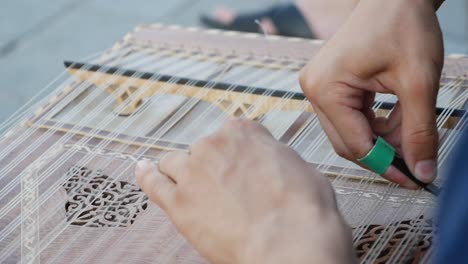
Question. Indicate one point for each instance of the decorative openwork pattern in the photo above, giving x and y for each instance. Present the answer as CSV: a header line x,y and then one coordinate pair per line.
x,y
96,200
418,231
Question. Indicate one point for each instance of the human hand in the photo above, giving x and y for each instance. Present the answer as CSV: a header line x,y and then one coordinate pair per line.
x,y
387,47
240,196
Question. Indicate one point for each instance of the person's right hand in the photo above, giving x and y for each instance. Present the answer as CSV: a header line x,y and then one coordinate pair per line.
x,y
240,196
387,47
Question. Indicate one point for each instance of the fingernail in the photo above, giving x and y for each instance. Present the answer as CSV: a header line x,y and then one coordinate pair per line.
x,y
141,168
426,170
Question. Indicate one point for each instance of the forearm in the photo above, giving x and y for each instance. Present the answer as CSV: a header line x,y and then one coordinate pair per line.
x,y
437,3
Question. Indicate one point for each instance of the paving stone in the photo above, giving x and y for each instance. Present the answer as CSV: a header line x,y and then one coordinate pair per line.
x,y
36,36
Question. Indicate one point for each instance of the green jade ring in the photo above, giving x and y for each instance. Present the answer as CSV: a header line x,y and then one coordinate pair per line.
x,y
380,157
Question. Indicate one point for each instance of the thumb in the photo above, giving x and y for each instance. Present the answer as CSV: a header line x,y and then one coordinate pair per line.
x,y
159,187
419,130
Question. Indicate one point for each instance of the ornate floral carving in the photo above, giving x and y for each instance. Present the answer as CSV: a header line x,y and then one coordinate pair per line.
x,y
418,231
97,200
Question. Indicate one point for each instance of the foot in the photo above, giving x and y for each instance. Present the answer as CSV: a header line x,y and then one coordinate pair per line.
x,y
227,16
325,17
284,20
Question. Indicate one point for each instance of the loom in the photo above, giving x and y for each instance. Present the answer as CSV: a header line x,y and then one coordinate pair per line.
x,y
68,193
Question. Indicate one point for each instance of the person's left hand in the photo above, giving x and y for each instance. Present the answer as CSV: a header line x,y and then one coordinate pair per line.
x,y
240,196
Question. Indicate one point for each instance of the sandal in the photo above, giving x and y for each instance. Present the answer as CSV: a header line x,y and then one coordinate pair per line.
x,y
286,18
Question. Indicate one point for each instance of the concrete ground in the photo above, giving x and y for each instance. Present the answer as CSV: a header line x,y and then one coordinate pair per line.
x,y
36,36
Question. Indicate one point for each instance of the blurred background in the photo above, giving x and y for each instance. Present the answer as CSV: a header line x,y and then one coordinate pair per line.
x,y
37,36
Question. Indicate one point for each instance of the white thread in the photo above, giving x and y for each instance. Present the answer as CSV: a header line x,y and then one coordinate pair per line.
x,y
309,151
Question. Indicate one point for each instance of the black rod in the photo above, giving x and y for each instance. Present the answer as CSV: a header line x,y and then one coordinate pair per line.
x,y
219,85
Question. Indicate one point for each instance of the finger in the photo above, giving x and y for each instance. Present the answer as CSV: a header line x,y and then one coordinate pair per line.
x,y
354,129
174,165
419,130
343,109
335,139
159,188
394,175
369,98
394,138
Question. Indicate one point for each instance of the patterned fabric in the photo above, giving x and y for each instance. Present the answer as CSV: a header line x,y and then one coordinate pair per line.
x,y
96,200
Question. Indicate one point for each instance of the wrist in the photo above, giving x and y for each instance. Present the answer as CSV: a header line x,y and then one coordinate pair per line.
x,y
300,238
